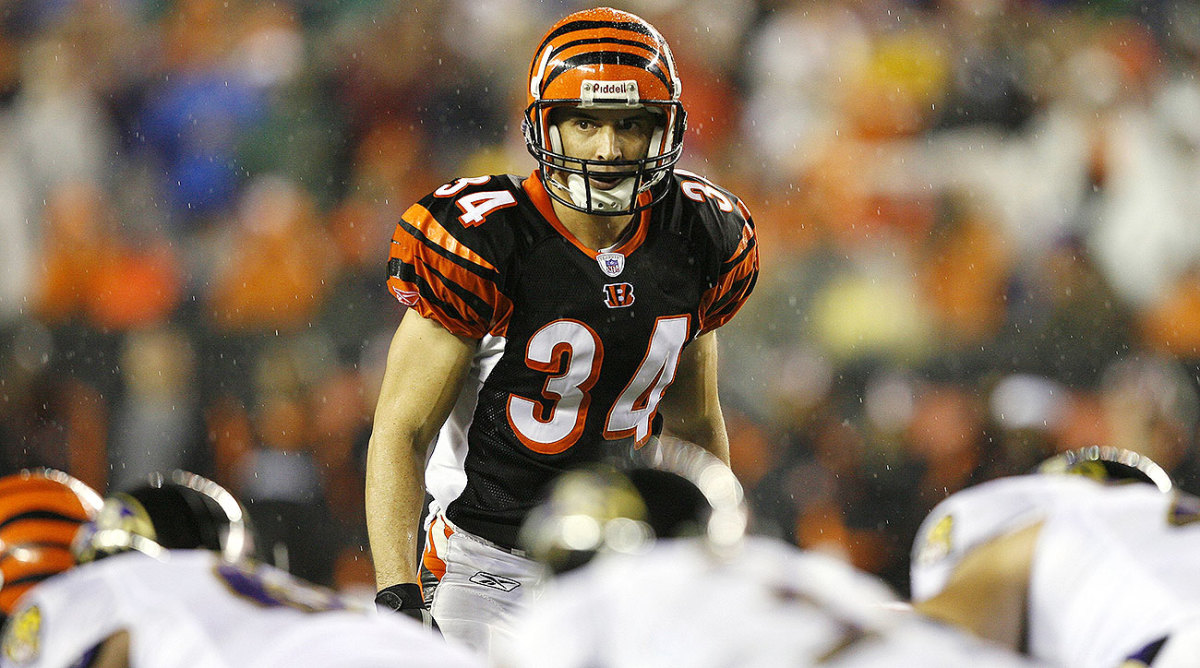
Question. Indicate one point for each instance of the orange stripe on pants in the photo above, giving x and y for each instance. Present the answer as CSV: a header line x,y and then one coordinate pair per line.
x,y
436,537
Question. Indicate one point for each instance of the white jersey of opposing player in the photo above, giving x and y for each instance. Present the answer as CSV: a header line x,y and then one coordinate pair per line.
x,y
771,605
1113,573
192,609
975,515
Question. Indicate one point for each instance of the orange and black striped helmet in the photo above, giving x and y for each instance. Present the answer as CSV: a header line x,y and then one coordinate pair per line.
x,y
41,511
604,59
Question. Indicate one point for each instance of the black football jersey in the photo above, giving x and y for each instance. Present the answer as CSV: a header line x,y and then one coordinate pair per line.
x,y
590,338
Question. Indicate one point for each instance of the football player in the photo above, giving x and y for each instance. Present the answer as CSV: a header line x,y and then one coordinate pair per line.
x,y
552,320
645,580
41,511
1078,570
174,584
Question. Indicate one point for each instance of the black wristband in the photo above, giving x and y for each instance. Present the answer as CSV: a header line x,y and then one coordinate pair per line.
x,y
400,597
406,599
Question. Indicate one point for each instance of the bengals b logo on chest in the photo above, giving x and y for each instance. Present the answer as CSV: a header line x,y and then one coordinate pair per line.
x,y
618,295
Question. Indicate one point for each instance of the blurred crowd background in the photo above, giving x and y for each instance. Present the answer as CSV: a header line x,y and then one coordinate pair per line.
x,y
979,220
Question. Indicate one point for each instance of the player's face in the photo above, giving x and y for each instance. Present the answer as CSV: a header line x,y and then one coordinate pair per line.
x,y
605,135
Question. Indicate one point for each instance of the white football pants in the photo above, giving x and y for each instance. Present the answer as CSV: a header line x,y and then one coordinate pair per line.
x,y
481,585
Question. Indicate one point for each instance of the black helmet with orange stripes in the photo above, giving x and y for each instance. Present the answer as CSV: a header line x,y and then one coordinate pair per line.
x,y
41,511
604,59
180,510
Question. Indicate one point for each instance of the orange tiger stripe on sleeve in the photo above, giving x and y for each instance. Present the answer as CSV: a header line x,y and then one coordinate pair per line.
x,y
482,288
722,301
441,287
433,272
420,218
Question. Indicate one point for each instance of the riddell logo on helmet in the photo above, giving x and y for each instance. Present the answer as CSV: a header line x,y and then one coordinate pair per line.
x,y
609,92
606,88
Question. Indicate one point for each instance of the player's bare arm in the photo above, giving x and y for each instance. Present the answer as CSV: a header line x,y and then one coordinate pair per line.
x,y
426,366
113,652
987,592
691,407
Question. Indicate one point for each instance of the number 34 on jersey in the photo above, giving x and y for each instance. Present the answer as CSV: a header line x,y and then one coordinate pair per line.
x,y
630,415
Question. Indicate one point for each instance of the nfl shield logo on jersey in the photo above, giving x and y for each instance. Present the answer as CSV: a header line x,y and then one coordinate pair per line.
x,y
611,263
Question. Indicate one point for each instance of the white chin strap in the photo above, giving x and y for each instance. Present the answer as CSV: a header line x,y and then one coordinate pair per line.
x,y
617,198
